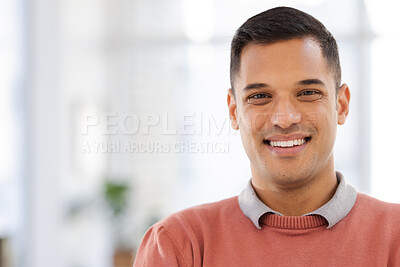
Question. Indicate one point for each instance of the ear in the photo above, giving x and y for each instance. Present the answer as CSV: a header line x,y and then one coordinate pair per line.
x,y
232,110
343,101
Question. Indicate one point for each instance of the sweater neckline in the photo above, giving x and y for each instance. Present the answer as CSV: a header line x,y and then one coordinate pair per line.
x,y
293,222
333,211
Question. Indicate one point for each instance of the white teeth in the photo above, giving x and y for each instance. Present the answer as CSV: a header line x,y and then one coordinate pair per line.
x,y
290,143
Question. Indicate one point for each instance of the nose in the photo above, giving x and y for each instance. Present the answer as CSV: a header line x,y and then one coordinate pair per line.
x,y
285,114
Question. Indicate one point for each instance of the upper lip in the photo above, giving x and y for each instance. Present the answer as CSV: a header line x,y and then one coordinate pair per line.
x,y
286,137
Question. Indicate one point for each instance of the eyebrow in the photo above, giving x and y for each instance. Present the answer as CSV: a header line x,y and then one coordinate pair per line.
x,y
302,82
311,82
255,86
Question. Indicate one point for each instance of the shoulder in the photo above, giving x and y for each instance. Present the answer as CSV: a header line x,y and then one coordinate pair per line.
x,y
381,222
221,207
202,214
200,222
179,238
377,210
376,205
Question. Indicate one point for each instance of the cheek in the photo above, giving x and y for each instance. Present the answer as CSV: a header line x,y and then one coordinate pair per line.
x,y
324,113
255,120
327,125
310,119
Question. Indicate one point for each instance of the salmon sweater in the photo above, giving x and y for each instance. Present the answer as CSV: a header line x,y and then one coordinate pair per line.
x,y
219,234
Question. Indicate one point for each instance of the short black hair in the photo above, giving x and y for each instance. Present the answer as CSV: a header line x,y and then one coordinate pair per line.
x,y
282,24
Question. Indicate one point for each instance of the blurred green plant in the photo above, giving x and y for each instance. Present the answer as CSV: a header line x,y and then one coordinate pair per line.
x,y
116,196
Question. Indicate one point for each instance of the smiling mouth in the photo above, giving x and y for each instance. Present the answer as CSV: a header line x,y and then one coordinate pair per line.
x,y
287,143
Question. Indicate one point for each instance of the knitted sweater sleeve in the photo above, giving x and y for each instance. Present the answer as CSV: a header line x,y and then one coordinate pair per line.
x,y
159,248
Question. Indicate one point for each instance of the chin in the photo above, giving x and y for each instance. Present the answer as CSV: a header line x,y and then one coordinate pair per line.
x,y
290,176
289,181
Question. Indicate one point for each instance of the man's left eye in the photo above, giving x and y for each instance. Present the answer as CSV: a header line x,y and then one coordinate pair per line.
x,y
309,95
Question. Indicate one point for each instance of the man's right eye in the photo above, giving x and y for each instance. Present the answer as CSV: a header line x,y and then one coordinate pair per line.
x,y
259,98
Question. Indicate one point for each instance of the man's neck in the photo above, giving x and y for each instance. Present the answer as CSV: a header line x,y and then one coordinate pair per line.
x,y
300,199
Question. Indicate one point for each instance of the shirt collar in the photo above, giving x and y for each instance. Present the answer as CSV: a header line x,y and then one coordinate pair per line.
x,y
333,211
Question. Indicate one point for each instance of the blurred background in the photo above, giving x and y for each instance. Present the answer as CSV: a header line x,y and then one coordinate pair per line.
x,y
113,115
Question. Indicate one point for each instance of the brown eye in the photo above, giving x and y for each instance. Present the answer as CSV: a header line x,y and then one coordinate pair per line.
x,y
259,98
309,95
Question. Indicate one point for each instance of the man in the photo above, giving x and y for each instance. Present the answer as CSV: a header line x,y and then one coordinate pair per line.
x,y
287,100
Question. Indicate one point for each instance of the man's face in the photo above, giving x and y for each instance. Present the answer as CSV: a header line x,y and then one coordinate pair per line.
x,y
287,111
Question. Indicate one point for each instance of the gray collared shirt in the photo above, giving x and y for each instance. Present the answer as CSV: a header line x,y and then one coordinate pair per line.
x,y
333,211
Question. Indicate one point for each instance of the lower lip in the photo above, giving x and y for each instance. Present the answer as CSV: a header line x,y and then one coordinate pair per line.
x,y
287,151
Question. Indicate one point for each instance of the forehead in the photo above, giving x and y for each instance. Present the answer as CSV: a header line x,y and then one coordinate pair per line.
x,y
283,62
